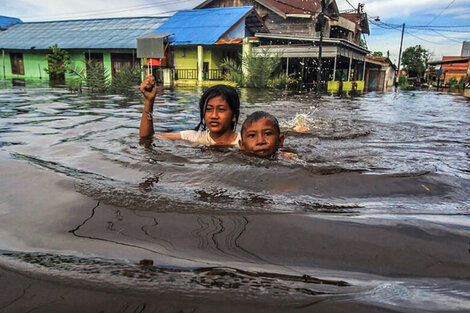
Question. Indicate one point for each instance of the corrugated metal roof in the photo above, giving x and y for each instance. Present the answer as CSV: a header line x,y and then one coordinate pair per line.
x,y
202,27
110,33
7,21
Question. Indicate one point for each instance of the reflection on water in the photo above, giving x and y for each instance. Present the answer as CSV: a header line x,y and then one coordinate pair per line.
x,y
225,216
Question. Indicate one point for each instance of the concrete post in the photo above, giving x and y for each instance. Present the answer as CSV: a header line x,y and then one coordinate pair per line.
x,y
245,53
364,71
200,61
334,69
4,67
349,71
287,67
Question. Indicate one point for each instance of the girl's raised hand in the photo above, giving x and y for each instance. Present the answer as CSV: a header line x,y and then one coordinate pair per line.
x,y
148,87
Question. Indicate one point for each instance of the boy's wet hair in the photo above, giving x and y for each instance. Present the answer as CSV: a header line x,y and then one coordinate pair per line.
x,y
256,116
229,94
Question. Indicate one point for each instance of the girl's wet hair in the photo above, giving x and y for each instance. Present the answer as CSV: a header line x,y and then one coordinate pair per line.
x,y
229,94
256,116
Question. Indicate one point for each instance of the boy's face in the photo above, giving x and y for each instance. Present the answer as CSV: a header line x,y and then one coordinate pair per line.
x,y
261,138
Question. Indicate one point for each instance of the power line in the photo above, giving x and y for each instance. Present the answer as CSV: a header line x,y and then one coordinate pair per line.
x,y
127,9
441,12
385,26
354,8
442,35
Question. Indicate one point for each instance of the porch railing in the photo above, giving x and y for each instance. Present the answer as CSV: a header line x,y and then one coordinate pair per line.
x,y
192,74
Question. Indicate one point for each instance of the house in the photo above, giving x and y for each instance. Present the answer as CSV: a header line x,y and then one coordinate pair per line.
x,y
465,49
380,73
111,41
294,35
357,26
453,67
202,39
294,17
6,21
457,67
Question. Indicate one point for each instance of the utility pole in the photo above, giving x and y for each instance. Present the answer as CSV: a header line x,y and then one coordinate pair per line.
x,y
320,24
399,56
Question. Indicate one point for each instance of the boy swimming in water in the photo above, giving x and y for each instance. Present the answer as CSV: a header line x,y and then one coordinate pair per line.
x,y
261,135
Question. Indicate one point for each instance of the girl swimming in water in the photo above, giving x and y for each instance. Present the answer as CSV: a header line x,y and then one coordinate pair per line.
x,y
219,111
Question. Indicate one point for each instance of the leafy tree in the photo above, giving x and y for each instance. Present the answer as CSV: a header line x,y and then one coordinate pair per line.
x,y
377,54
58,61
414,61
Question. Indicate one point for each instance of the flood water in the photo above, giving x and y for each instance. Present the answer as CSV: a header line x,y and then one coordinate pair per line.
x,y
373,216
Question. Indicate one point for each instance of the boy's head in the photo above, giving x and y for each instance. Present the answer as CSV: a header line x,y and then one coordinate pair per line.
x,y
261,135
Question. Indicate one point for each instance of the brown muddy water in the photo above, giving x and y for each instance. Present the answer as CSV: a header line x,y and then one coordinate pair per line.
x,y
373,217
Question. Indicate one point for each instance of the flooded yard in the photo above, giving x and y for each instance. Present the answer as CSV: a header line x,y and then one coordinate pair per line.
x,y
372,217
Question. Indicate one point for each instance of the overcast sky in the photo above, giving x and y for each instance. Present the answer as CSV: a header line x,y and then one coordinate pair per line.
x,y
383,37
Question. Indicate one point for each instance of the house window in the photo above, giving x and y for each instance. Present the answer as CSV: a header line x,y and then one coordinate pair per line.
x,y
17,66
120,60
97,57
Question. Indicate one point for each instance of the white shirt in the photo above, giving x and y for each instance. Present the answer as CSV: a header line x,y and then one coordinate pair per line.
x,y
203,137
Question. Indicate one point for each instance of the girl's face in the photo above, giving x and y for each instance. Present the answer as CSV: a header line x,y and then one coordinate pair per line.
x,y
218,116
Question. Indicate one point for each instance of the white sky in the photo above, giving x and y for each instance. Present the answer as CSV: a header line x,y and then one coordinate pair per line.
x,y
396,12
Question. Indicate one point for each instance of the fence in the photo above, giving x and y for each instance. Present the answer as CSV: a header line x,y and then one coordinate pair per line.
x,y
192,74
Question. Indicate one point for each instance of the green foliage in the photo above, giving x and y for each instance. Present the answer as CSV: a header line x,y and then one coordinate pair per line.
x,y
403,81
283,81
125,80
58,62
98,80
234,71
456,85
77,76
257,71
260,68
462,83
414,61
97,77
377,54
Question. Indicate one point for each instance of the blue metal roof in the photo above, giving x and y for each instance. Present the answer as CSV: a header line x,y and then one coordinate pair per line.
x,y
202,27
7,21
109,33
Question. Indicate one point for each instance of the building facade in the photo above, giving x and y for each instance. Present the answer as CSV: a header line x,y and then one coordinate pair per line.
x,y
293,33
110,41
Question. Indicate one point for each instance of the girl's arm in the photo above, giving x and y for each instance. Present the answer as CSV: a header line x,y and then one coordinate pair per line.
x,y
149,90
170,136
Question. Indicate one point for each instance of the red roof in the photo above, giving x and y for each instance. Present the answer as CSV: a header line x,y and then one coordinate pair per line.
x,y
295,6
379,59
382,60
280,6
455,66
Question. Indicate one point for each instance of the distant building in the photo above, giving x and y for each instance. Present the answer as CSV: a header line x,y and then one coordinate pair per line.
x,y
111,41
202,39
380,73
6,21
465,49
457,67
294,35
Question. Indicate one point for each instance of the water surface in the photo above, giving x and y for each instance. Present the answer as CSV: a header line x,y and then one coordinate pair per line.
x,y
373,215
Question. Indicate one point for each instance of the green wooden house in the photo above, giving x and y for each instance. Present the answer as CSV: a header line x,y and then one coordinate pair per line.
x,y
111,41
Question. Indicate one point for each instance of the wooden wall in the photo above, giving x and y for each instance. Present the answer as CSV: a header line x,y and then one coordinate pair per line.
x,y
275,23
